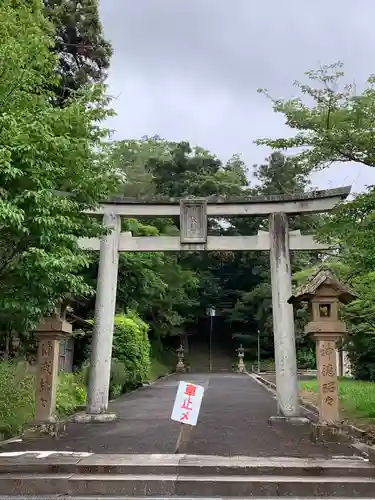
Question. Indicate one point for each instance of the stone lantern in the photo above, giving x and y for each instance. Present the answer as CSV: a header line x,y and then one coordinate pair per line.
x,y
181,365
241,364
324,292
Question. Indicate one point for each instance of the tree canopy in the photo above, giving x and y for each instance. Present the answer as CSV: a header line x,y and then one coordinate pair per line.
x,y
333,122
53,166
83,54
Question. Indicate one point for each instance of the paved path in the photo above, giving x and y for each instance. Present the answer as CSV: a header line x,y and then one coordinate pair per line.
x,y
233,421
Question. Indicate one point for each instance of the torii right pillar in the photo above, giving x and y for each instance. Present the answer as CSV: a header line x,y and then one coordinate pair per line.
x,y
283,318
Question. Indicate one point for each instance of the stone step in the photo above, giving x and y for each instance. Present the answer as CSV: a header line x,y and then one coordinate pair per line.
x,y
184,475
121,497
60,463
190,485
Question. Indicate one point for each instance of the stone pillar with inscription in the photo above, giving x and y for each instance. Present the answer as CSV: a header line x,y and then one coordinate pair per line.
x,y
326,349
323,292
49,332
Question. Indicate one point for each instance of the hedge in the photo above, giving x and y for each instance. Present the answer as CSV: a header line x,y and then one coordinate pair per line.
x,y
130,355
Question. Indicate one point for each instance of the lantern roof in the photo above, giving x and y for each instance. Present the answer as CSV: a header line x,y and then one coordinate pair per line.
x,y
324,276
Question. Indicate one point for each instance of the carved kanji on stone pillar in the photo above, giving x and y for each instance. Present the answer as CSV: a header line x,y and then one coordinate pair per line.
x,y
49,332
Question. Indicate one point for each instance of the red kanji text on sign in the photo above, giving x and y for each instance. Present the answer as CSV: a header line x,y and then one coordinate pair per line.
x,y
190,390
187,403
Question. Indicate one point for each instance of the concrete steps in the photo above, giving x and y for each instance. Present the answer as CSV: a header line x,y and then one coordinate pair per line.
x,y
123,497
162,476
200,362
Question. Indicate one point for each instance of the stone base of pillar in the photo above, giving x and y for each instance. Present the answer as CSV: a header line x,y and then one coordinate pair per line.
x,y
88,418
325,433
241,367
180,368
288,420
36,430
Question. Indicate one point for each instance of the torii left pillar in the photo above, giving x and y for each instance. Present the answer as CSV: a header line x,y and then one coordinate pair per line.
x,y
105,306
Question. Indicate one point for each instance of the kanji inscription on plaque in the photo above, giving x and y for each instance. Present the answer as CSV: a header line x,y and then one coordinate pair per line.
x,y
193,221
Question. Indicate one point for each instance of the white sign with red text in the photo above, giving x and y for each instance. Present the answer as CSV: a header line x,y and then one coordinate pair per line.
x,y
187,403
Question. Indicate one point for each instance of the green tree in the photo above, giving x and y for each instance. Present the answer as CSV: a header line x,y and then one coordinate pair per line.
x,y
83,53
156,285
131,157
169,290
252,311
280,175
53,166
332,121
193,171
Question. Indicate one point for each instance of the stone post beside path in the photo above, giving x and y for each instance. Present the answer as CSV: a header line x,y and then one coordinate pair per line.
x,y
326,350
49,332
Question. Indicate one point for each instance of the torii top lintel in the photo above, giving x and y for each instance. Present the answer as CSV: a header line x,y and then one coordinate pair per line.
x,y
295,203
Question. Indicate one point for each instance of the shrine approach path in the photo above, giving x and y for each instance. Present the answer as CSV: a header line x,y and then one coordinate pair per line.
x,y
233,421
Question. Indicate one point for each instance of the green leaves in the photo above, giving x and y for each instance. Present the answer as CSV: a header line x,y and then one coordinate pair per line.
x,y
131,347
167,289
53,166
332,121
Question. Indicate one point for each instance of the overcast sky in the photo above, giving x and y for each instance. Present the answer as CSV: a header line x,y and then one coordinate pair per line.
x,y
189,69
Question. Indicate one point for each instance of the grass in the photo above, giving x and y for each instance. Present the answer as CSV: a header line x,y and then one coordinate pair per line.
x,y
357,398
164,364
157,370
267,365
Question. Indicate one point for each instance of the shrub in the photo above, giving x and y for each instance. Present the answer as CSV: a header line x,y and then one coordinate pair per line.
x,y
17,395
131,347
118,379
306,359
71,392
361,350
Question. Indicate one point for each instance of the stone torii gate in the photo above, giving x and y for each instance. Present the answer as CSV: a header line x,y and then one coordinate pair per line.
x,y
193,237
